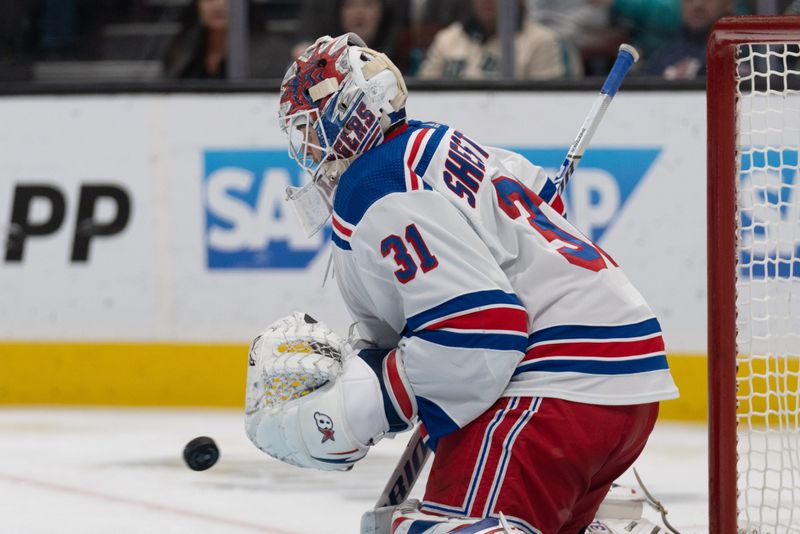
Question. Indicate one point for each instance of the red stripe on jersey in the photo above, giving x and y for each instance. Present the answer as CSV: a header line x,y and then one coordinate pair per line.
x,y
415,147
492,319
414,180
411,157
399,390
396,131
613,349
558,204
340,228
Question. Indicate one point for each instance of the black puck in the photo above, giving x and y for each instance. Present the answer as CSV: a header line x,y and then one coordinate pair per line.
x,y
201,453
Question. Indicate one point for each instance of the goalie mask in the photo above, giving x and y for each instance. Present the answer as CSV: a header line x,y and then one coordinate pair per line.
x,y
337,101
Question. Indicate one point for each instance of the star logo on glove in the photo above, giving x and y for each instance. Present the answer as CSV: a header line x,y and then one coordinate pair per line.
x,y
325,426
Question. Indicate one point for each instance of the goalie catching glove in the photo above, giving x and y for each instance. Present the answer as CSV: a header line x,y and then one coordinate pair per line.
x,y
311,401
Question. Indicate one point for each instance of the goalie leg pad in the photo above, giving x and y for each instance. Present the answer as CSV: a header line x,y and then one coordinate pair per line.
x,y
621,502
330,428
624,526
407,519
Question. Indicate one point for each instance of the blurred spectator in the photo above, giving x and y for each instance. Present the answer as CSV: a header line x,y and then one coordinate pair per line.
x,y
685,57
650,23
378,22
440,12
585,23
72,29
793,8
200,50
470,49
15,36
575,20
315,21
428,17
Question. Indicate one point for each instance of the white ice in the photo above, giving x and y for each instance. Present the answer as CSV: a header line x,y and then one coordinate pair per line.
x,y
120,470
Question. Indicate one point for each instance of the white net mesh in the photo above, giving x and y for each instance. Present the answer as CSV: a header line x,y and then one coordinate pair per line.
x,y
768,288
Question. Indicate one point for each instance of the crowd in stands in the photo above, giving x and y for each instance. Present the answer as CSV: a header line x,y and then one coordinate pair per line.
x,y
429,39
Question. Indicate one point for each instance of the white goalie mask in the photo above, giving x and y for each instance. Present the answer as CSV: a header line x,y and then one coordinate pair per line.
x,y
337,101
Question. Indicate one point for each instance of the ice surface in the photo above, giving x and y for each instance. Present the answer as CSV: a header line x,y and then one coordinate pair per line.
x,y
120,470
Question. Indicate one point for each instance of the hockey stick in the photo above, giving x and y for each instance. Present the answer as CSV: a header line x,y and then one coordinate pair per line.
x,y
401,482
405,474
410,464
625,59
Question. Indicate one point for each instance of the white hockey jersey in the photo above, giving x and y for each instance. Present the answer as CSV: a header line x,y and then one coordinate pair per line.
x,y
458,255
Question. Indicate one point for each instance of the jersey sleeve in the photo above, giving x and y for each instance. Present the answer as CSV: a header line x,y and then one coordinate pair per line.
x,y
463,330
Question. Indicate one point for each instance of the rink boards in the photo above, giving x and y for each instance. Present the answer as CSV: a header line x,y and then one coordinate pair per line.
x,y
147,241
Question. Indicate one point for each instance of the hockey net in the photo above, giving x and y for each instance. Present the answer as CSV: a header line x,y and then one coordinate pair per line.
x,y
754,275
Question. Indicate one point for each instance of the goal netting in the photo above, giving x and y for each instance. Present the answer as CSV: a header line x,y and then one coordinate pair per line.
x,y
766,262
768,287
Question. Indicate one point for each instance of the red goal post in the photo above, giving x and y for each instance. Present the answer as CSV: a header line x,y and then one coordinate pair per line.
x,y
747,259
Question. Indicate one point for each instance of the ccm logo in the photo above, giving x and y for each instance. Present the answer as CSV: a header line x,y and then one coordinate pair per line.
x,y
24,225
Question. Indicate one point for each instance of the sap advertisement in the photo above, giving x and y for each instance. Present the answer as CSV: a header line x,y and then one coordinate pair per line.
x,y
248,223
162,218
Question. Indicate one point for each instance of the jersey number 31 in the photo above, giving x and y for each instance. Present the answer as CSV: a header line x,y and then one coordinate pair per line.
x,y
408,267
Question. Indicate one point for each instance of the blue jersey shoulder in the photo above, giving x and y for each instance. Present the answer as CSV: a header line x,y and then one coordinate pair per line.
x,y
377,173
373,175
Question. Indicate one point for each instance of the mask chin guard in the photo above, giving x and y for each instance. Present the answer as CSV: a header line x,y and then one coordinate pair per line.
x,y
312,206
313,203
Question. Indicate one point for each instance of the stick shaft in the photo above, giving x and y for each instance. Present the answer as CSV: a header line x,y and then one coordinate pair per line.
x,y
405,474
625,59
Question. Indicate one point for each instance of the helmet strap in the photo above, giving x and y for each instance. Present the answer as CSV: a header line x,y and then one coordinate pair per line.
x,y
326,87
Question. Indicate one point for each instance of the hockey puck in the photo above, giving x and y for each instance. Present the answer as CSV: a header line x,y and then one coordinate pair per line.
x,y
201,453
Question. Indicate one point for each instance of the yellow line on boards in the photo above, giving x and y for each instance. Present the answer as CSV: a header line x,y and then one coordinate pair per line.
x,y
123,374
176,374
690,372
